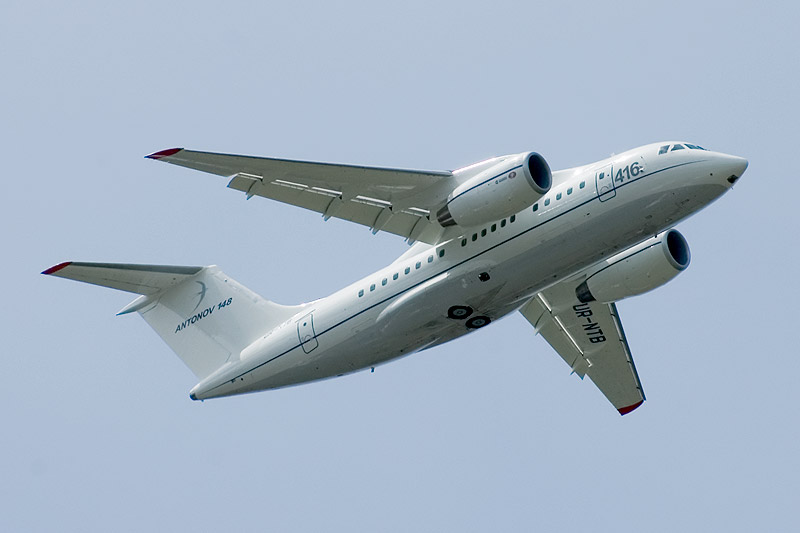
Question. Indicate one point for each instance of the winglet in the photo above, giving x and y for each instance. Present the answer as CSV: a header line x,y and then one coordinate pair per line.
x,y
164,153
54,269
625,410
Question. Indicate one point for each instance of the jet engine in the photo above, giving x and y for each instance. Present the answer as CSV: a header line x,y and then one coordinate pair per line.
x,y
637,270
497,192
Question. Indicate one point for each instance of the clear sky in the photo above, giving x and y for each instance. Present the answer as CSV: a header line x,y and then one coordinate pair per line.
x,y
488,433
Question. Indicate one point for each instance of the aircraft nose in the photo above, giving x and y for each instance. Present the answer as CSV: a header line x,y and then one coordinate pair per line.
x,y
733,167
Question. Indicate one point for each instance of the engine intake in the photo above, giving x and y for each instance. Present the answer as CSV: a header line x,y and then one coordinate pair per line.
x,y
497,192
637,270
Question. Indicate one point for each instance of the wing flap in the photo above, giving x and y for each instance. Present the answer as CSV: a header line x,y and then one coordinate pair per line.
x,y
373,213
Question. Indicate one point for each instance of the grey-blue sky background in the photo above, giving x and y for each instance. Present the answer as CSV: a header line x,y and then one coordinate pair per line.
x,y
489,432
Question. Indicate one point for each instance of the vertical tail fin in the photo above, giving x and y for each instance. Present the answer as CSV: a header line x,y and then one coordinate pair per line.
x,y
206,317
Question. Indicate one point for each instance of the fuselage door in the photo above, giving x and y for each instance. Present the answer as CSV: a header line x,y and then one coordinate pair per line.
x,y
306,333
604,180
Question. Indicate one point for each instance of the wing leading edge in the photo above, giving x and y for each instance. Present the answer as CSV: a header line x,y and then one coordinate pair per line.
x,y
590,339
394,200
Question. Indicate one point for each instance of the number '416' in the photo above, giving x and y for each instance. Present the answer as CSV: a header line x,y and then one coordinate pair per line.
x,y
628,172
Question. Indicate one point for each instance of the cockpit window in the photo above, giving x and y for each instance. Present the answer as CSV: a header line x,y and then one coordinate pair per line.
x,y
666,148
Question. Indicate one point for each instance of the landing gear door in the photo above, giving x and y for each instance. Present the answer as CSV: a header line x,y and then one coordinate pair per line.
x,y
306,333
604,180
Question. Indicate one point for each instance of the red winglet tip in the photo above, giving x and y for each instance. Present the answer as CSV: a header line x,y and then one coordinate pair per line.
x,y
53,270
626,410
164,153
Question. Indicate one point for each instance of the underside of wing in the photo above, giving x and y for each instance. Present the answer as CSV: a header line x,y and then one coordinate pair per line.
x,y
394,200
590,339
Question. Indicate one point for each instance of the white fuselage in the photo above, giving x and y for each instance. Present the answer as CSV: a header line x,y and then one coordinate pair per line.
x,y
590,213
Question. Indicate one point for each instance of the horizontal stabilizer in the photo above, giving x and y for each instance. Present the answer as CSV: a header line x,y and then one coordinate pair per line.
x,y
206,317
140,279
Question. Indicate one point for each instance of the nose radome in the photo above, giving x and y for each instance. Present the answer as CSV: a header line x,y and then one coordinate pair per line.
x,y
733,167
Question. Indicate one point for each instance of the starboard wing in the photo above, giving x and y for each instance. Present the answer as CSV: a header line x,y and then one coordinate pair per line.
x,y
394,200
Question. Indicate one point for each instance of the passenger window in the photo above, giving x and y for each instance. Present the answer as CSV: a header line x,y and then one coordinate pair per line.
x,y
547,202
441,252
384,281
558,196
494,227
503,223
430,259
474,236
535,207
583,184
408,269
512,218
361,293
372,287
569,191
419,264
396,275
483,232
463,242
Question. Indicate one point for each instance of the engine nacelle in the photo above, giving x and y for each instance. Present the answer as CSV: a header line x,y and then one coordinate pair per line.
x,y
498,192
637,270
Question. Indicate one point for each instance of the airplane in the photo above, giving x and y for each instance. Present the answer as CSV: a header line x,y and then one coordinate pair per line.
x,y
502,235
